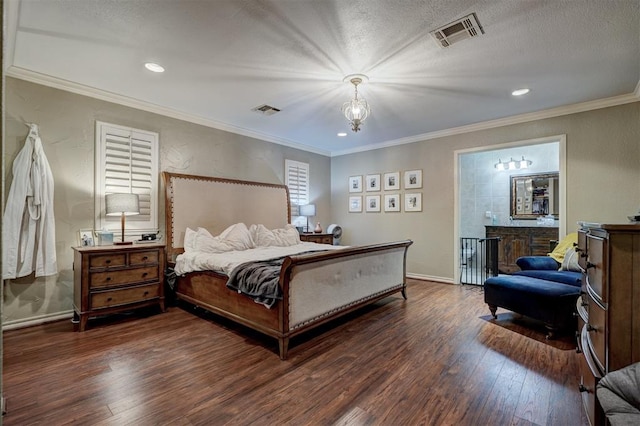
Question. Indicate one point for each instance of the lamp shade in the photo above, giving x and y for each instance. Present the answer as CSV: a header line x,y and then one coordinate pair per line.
x,y
308,210
122,204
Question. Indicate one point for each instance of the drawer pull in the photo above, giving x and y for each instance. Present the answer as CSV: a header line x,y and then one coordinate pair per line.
x,y
590,265
583,388
108,261
578,350
144,258
584,304
146,293
591,328
145,274
108,279
109,299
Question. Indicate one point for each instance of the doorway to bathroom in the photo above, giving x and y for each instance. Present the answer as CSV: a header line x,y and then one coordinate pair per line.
x,y
484,198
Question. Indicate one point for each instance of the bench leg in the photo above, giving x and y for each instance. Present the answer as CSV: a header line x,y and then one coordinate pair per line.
x,y
551,332
493,309
283,347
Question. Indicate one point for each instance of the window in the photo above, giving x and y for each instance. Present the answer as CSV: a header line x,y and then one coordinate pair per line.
x,y
297,179
127,161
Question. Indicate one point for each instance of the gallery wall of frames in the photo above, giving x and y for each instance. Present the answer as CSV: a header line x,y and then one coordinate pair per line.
x,y
382,192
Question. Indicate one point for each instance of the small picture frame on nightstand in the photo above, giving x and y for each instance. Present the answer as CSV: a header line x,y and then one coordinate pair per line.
x,y
85,238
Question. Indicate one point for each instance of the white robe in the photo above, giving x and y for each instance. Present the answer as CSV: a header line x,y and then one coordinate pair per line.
x,y
28,232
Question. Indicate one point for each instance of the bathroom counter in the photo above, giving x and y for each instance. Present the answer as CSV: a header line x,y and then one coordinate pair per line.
x,y
517,241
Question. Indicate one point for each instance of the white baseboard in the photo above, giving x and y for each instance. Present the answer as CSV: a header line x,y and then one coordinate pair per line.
x,y
29,322
430,278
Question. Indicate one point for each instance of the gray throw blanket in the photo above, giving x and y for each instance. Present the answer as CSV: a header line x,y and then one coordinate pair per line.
x,y
258,280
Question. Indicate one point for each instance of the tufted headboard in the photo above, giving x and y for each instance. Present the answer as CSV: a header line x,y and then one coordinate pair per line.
x,y
216,203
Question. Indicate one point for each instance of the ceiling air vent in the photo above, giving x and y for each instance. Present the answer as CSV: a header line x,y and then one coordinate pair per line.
x,y
456,31
265,109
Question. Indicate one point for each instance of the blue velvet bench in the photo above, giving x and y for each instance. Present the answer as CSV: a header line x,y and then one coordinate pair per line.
x,y
551,302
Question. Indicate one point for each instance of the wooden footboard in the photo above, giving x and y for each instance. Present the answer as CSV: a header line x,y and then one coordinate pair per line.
x,y
317,288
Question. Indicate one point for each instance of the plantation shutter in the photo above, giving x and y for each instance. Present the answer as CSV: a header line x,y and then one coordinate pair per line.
x,y
297,179
128,163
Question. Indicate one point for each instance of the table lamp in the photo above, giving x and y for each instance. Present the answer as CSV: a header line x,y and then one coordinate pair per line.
x,y
122,204
308,210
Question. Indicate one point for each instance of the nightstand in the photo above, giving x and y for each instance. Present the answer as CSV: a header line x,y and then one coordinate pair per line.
x,y
317,238
110,279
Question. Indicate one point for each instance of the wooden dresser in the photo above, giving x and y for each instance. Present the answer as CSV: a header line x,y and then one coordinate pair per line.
x,y
517,241
110,279
608,325
317,238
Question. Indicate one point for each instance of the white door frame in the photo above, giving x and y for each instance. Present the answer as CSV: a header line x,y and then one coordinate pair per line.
x,y
562,181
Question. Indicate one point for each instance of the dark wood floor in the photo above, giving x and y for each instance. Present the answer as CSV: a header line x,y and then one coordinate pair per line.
x,y
437,358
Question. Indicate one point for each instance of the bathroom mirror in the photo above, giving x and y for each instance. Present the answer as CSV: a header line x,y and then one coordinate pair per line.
x,y
533,196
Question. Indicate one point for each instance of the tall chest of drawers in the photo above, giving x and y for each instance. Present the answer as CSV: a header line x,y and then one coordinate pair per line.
x,y
609,308
109,279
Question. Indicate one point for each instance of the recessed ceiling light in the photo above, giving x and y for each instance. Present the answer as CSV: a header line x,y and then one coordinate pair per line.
x,y
154,67
342,134
520,92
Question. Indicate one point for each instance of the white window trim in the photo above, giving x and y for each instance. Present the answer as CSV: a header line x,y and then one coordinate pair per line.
x,y
133,227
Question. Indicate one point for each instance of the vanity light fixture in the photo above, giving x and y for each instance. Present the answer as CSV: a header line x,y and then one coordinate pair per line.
x,y
513,164
524,164
357,109
154,67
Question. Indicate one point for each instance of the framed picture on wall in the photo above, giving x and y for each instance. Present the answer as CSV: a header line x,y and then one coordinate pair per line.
x,y
391,181
412,179
355,204
355,183
373,183
413,202
373,203
392,202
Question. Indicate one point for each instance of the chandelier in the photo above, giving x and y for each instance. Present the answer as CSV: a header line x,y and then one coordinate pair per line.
x,y
357,109
513,164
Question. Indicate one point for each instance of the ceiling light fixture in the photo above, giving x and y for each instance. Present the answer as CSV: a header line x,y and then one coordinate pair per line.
x,y
520,92
513,164
154,67
356,110
342,134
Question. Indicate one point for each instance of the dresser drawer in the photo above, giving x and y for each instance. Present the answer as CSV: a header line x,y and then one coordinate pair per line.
x,y
123,296
596,268
123,277
597,331
143,257
107,260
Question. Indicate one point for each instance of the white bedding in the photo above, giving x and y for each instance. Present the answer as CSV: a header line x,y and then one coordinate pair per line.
x,y
192,261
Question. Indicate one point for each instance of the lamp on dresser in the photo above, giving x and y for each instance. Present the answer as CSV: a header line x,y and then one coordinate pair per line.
x,y
308,210
122,204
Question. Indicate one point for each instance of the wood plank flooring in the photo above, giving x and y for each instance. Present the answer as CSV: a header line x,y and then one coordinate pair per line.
x,y
435,359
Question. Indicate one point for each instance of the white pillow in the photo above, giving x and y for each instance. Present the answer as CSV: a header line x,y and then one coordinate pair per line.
x,y
238,237
261,236
570,261
189,240
281,237
208,244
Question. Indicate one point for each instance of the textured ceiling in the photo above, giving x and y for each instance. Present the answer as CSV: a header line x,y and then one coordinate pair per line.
x,y
225,57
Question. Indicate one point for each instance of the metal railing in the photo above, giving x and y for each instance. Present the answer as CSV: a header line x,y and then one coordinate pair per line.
x,y
478,259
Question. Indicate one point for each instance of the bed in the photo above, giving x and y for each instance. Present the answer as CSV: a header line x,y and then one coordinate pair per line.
x,y
316,287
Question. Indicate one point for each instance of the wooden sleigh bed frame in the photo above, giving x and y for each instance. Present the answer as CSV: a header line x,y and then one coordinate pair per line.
x,y
316,287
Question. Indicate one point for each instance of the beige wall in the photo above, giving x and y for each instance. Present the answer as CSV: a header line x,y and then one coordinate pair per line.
x,y
603,176
67,127
603,181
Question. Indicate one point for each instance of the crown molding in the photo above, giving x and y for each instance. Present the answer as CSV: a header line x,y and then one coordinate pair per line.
x,y
501,122
80,89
